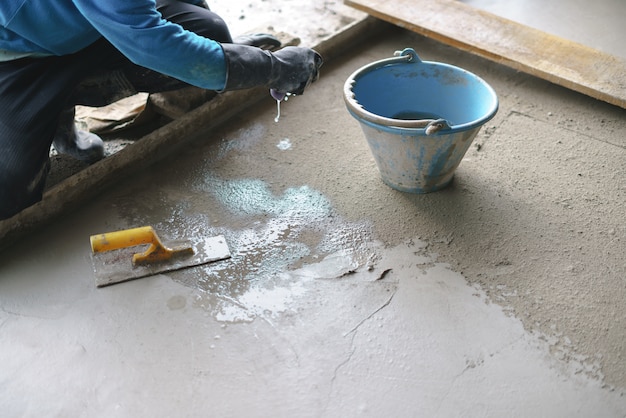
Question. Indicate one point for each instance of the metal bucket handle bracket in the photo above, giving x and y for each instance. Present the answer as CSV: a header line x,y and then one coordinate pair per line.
x,y
407,55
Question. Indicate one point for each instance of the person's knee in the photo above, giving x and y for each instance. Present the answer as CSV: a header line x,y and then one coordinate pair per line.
x,y
20,186
216,29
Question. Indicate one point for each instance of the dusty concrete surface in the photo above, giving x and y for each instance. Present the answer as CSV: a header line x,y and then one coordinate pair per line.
x,y
499,296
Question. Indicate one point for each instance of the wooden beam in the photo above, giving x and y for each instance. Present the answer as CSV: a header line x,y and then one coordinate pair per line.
x,y
560,61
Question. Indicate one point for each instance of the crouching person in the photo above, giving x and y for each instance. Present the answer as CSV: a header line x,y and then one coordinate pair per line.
x,y
55,55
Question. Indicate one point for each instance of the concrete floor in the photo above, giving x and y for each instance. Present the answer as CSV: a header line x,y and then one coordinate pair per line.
x,y
502,295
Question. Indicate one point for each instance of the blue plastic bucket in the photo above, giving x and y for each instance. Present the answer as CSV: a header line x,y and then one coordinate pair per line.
x,y
419,117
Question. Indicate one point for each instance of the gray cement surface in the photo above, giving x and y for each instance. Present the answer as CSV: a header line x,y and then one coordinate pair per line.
x,y
501,295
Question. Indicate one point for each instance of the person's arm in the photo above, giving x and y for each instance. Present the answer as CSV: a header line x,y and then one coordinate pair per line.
x,y
137,29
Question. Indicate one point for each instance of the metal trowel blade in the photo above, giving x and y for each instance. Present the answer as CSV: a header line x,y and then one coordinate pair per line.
x,y
116,266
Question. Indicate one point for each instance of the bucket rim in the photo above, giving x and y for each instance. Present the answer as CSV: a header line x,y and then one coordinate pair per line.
x,y
408,55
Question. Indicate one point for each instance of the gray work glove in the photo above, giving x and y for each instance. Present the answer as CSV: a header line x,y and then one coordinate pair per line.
x,y
289,70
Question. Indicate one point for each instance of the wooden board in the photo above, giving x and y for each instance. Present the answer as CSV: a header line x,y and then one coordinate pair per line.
x,y
563,62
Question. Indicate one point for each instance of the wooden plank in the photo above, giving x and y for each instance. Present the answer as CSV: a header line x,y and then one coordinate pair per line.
x,y
560,61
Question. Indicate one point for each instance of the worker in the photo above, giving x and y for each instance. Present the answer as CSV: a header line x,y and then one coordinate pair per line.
x,y
58,54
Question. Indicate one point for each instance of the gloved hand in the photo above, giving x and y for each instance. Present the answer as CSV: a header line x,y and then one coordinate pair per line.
x,y
289,70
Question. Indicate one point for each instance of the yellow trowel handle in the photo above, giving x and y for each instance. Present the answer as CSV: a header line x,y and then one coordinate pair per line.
x,y
133,237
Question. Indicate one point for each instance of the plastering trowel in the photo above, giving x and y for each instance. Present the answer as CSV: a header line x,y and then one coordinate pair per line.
x,y
116,260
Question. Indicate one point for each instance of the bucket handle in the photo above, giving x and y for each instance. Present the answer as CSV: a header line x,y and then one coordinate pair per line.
x,y
407,55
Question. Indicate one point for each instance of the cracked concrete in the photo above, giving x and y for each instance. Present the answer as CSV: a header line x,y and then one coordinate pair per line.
x,y
501,295
387,302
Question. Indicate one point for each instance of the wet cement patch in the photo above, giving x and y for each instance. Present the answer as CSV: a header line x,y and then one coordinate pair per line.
x,y
271,236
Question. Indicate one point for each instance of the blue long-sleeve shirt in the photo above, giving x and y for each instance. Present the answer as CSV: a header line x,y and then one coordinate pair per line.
x,y
134,27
